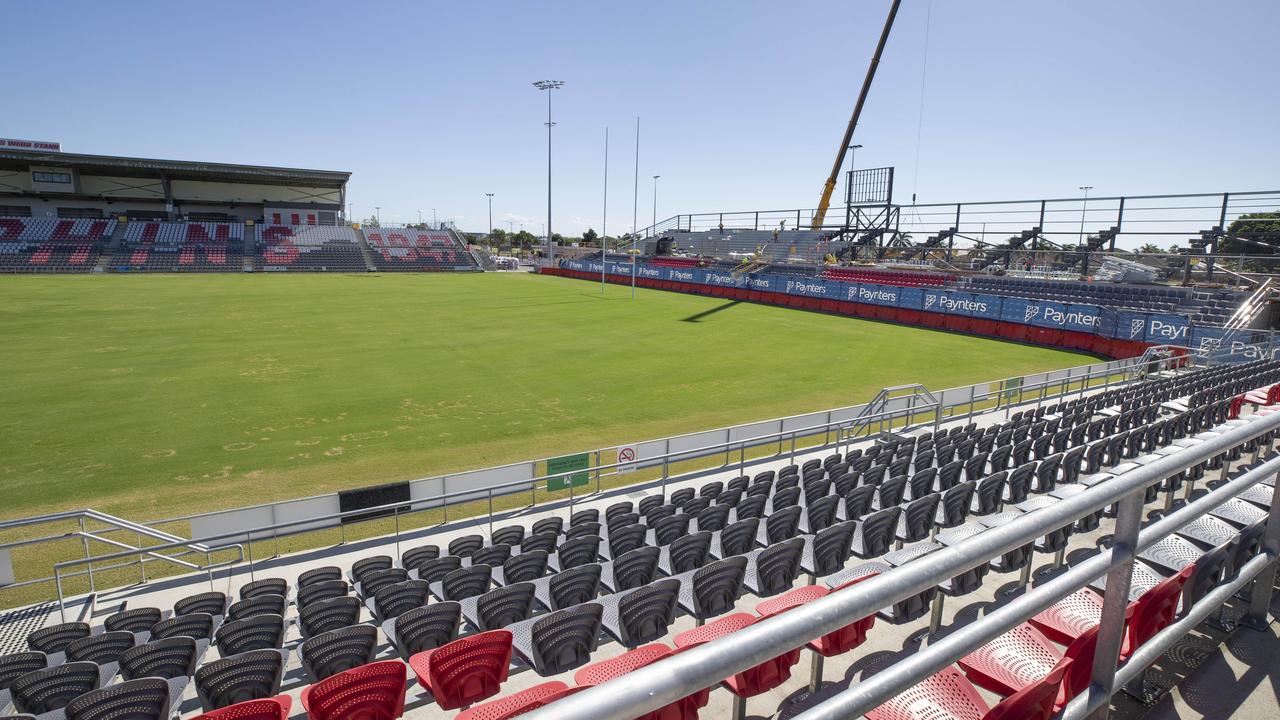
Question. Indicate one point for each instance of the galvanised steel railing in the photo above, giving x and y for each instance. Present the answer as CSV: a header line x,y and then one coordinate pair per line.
x,y
662,683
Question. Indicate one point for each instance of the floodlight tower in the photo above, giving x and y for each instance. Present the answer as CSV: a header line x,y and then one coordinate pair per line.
x,y
549,85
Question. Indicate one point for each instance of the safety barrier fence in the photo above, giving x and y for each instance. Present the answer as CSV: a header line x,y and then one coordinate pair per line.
x,y
669,459
704,666
1102,330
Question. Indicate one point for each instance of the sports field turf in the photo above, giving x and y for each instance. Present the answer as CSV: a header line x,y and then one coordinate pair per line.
x,y
154,396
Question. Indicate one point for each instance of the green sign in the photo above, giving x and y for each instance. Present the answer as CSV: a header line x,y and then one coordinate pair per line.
x,y
1013,389
563,466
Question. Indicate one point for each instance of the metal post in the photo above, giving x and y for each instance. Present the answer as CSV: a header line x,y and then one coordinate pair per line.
x,y
248,543
395,511
1111,631
1260,594
142,560
633,275
89,566
490,512
666,458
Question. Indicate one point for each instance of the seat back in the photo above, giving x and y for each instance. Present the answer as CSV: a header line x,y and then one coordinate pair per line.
x,y
878,531
683,495
337,651
713,518
466,545
777,566
435,570
988,497
540,542
564,640
857,502
783,524
213,603
689,552
265,586
504,606
1156,609
525,567
552,525
426,628
831,547
260,632
325,615
578,584
15,665
751,506
716,587
635,568
668,529
43,691
141,699
466,582
891,491
266,604
645,614
56,638
134,620
583,529
510,535
626,538
364,566
322,590
413,558
821,513
373,581
654,513
373,691
401,597
955,504
101,649
197,626
739,537
1035,701
1210,570
491,555
918,519
253,675
1020,483
590,515
168,658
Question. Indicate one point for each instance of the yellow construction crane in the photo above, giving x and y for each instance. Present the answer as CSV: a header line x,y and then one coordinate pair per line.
x,y
830,186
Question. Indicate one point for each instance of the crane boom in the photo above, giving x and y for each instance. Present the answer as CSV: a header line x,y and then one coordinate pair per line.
x,y
827,189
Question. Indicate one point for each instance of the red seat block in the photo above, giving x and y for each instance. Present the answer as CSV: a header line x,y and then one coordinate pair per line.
x,y
466,670
369,692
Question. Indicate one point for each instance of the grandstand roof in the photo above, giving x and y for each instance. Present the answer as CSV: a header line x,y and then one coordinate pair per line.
x,y
175,169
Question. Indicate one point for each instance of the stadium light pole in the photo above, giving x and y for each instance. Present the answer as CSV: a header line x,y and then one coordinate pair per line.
x,y
604,217
655,200
419,217
549,86
489,233
635,188
1083,207
435,223
377,214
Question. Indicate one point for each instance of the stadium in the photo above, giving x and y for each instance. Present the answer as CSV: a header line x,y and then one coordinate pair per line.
x,y
264,458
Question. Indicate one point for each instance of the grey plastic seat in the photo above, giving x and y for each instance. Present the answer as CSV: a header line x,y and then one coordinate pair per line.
x,y
643,615
141,699
464,583
499,607
712,589
424,628
265,586
688,552
567,588
253,675
575,552
322,616
332,652
631,569
525,567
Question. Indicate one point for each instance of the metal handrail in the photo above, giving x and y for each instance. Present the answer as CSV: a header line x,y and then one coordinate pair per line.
x,y
657,685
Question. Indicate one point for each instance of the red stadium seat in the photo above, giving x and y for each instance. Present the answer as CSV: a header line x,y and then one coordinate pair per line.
x,y
1024,656
465,671
276,708
369,692
949,695
752,681
519,703
831,644
606,670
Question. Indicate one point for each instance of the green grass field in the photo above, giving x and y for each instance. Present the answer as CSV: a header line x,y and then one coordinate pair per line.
x,y
156,396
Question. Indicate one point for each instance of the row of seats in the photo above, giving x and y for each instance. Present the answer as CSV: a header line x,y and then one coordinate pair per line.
x,y
887,277
52,245
310,248
409,249
692,551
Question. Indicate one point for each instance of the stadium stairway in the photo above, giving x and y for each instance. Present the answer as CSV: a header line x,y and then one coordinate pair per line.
x,y
250,243
113,244
364,251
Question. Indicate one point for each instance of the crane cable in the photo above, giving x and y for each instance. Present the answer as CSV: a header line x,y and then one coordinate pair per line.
x,y
924,70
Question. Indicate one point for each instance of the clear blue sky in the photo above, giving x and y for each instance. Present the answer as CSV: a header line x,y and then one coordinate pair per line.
x,y
742,104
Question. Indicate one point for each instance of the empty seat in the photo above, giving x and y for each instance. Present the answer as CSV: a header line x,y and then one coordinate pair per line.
x,y
325,615
265,586
320,574
519,703
644,614
212,603
466,670
322,590
424,628
501,607
339,650
264,604
373,690
562,640
260,632
248,676
141,699
51,689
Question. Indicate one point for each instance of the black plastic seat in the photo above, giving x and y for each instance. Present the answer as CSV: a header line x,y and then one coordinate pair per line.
x,y
141,699
988,496
918,518
322,616
564,640
782,525
785,498
1019,485
371,582
711,489
821,513
578,584
634,568
683,495
831,547
695,506
510,535
589,515
424,628
739,537
260,632
775,568
669,529
713,589
656,513
103,649
921,483
891,492
135,620
169,658
253,675
435,570
585,529
212,603
954,507
646,613
503,606
267,604
949,474
621,520
578,551
320,574
322,590
491,555
750,507
14,666
466,545
625,539
394,600
858,501
875,533
265,586
336,651
688,552
1047,474
617,510
551,525
197,626
525,567
713,518
56,638
540,542
464,583
650,502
